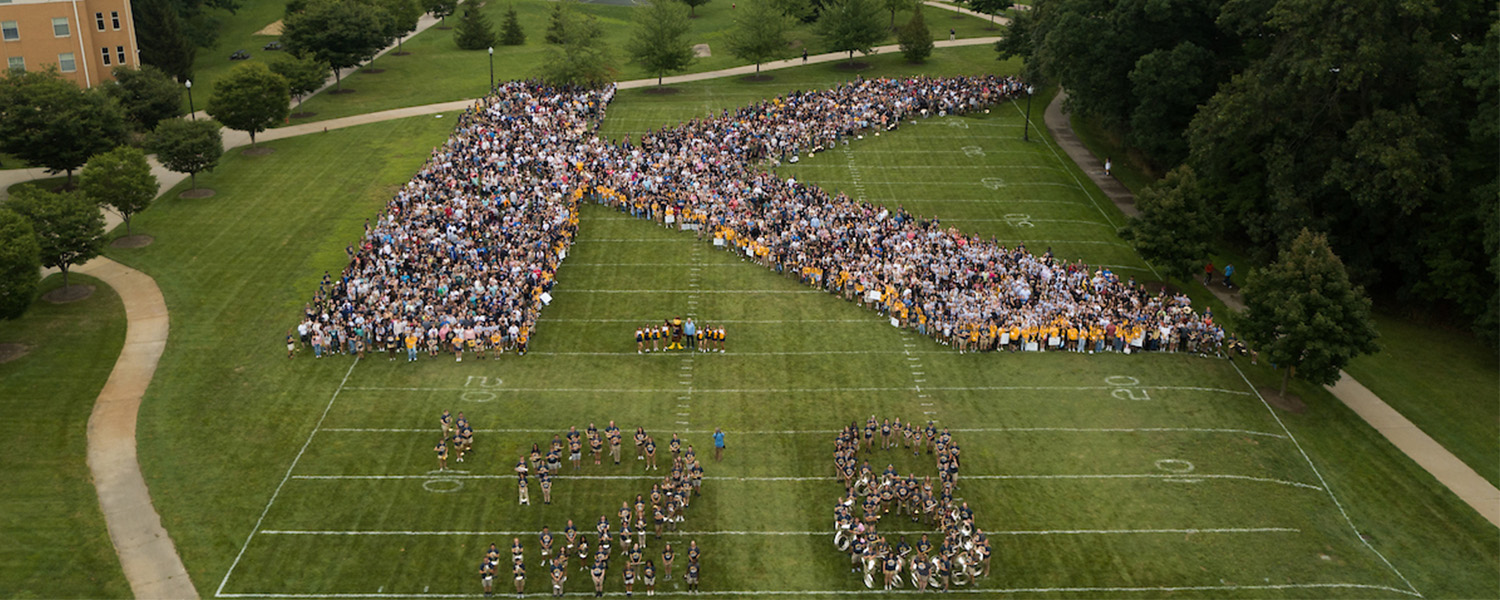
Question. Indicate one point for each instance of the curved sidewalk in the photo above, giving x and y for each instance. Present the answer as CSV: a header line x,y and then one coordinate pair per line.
x,y
1453,473
147,554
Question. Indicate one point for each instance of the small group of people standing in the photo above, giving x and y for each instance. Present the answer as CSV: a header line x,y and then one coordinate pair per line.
x,y
679,334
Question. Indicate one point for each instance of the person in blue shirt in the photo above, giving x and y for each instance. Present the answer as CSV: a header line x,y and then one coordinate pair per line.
x,y
1228,276
718,444
690,330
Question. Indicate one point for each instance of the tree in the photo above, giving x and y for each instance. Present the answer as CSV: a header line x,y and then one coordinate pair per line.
x,y
474,31
69,228
303,75
915,38
1176,227
440,9
189,147
20,264
896,6
693,7
158,29
759,33
340,33
557,21
147,95
581,58
851,25
403,17
250,98
659,42
989,7
1302,312
510,31
801,10
120,179
50,122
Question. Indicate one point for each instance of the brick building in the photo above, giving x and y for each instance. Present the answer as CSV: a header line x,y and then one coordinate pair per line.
x,y
83,38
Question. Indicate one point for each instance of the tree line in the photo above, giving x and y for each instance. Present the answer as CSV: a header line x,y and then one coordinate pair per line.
x,y
1371,123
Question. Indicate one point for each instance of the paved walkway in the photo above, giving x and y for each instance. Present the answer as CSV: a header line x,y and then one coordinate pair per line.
x,y
1401,432
147,555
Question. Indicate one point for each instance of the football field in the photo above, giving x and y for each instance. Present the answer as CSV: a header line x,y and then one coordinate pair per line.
x,y
1094,475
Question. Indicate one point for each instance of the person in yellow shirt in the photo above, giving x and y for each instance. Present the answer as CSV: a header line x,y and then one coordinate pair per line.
x,y
411,346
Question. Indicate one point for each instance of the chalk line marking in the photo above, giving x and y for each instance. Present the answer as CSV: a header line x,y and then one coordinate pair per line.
x,y
1063,477
808,390
286,477
833,431
905,592
1185,531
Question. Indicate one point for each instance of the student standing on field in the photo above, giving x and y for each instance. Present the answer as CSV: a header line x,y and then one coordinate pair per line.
x,y
718,444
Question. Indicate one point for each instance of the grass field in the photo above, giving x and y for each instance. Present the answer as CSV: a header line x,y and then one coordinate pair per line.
x,y
437,71
236,32
1097,475
52,538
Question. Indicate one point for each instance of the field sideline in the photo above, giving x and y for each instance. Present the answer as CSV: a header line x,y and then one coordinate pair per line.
x,y
1097,475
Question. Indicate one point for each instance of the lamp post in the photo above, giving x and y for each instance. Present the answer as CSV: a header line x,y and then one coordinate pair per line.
x,y
1026,127
191,111
492,68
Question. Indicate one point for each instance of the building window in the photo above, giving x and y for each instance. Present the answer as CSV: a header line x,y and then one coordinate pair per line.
x,y
66,64
114,18
9,32
120,52
99,20
60,27
16,62
106,55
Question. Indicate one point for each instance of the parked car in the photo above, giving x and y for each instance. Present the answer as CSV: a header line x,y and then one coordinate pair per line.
x,y
239,55
272,46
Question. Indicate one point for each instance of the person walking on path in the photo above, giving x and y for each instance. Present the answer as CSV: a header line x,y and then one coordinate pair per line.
x,y
1208,273
718,444
1107,165
1229,276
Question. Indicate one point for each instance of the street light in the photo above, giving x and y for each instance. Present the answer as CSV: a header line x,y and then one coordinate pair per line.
x,y
492,68
189,84
1026,127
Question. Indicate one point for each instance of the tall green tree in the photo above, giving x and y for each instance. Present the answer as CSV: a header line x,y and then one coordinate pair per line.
x,y
158,31
989,7
915,38
474,31
557,21
1176,228
50,122
440,9
801,10
693,7
341,33
659,42
303,75
896,6
510,31
404,15
69,228
185,146
251,99
120,179
147,95
581,58
20,264
759,33
851,26
1303,314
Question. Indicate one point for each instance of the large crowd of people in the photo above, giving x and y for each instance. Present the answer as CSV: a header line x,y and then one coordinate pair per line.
x,y
465,254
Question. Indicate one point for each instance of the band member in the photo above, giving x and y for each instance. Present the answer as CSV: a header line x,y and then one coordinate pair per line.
x,y
544,478
651,454
921,570
666,561
693,552
559,575
629,576
442,454
518,568
692,576
546,543
575,451
640,443
596,445
522,492
944,566
445,424
516,551
613,433
570,535
675,446
659,518
487,577
640,341
598,574
890,566
648,578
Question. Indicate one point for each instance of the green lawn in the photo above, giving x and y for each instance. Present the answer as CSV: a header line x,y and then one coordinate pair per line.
x,y
437,71
53,543
325,472
236,32
10,161
1445,381
50,183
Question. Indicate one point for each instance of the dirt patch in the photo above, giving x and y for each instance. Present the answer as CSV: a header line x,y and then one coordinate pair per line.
x,y
851,66
661,91
197,194
303,115
272,29
340,91
10,352
702,51
257,151
371,71
72,293
757,78
138,240
1291,403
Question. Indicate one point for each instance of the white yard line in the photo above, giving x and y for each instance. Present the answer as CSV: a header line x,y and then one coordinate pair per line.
x,y
907,592
285,478
804,390
834,431
1035,532
1324,482
1175,477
